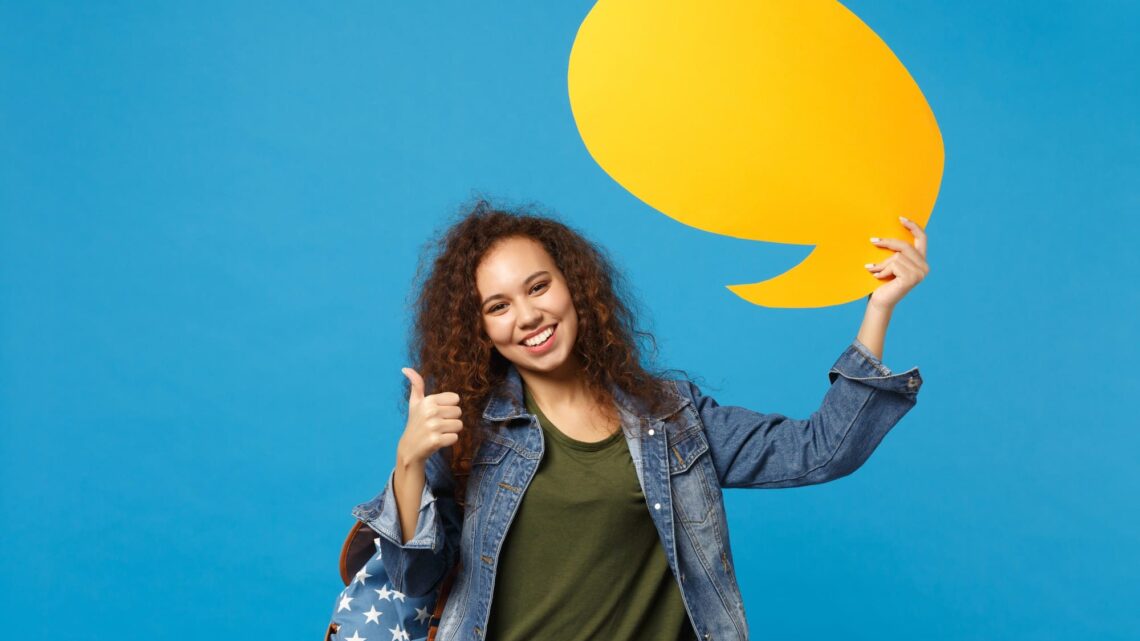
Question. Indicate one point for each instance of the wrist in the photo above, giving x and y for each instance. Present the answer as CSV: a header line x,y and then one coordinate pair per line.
x,y
408,463
878,308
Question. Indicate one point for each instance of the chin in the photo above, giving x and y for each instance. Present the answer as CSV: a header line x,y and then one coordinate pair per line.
x,y
547,363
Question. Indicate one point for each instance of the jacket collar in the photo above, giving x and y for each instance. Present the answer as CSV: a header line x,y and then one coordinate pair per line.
x,y
506,401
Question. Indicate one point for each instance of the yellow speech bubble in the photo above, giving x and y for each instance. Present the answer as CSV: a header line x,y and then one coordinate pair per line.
x,y
784,121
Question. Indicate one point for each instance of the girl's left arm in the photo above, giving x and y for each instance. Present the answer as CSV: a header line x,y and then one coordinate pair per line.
x,y
865,400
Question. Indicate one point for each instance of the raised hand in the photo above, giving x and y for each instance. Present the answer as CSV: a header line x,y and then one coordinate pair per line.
x,y
901,271
433,421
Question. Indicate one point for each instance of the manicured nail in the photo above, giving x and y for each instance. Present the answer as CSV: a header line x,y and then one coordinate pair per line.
x,y
874,240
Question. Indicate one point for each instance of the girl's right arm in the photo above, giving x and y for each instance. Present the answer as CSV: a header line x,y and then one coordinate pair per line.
x,y
417,557
416,515
408,479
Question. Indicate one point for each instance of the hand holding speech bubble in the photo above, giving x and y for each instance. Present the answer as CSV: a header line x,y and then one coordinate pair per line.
x,y
784,121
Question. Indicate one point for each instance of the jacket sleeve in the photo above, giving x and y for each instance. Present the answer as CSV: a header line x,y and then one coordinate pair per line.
x,y
751,449
417,567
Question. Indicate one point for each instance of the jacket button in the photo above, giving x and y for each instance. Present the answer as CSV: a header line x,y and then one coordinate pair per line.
x,y
912,382
651,432
657,506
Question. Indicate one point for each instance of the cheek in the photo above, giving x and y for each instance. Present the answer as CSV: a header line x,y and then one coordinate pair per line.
x,y
566,303
571,311
498,331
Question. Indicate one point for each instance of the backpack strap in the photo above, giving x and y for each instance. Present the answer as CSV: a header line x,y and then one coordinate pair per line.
x,y
441,601
358,548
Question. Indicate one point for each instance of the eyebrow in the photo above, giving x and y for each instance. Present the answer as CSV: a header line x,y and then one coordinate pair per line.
x,y
528,279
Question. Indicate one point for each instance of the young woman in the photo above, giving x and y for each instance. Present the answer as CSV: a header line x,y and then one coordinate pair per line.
x,y
579,492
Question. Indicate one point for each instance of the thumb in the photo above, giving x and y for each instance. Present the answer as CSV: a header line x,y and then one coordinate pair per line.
x,y
417,384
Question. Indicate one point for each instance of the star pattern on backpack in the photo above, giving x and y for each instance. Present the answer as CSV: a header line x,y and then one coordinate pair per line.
x,y
371,609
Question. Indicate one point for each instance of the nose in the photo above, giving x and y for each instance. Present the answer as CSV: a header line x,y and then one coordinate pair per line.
x,y
529,317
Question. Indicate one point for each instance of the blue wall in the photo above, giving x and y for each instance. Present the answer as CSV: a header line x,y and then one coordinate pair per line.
x,y
210,216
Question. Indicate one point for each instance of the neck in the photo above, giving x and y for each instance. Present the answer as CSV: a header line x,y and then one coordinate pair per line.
x,y
562,388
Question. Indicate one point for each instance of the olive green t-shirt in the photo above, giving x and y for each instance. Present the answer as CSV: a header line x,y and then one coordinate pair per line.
x,y
582,559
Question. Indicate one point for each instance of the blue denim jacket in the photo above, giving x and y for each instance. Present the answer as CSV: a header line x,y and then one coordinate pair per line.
x,y
683,456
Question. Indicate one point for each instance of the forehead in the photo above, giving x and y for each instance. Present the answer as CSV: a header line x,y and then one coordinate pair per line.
x,y
509,262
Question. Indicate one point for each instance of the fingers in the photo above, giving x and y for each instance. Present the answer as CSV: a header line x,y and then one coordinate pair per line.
x,y
451,426
446,398
883,269
417,381
918,233
446,411
900,246
437,424
903,248
899,266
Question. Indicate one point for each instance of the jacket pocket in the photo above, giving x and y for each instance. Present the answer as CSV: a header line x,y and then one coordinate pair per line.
x,y
689,470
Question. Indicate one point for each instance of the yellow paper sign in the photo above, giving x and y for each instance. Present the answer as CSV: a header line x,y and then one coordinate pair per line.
x,y
783,121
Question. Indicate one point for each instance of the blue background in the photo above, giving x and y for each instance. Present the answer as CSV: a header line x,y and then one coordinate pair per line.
x,y
211,215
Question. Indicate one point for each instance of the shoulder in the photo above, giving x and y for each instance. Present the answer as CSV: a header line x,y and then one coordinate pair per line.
x,y
685,389
678,393
691,392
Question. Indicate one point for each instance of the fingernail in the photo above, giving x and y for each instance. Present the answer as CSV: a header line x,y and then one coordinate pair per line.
x,y
904,219
869,265
874,240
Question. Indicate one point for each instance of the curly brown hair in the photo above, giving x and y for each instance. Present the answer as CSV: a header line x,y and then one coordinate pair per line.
x,y
453,353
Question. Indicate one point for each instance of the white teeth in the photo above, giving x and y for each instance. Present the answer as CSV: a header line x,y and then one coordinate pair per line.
x,y
540,339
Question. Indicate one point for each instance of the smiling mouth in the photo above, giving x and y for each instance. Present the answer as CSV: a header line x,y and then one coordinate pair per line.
x,y
549,328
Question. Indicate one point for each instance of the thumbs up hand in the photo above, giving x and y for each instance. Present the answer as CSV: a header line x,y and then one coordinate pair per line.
x,y
433,421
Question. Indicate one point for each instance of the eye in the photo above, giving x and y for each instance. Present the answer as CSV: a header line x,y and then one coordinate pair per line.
x,y
538,286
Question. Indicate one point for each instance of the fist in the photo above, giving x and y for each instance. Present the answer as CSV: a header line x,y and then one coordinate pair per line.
x,y
433,421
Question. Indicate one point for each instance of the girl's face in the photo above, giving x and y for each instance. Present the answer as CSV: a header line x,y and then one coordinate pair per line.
x,y
524,294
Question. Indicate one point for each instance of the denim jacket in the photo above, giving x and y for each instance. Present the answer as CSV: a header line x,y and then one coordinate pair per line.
x,y
683,455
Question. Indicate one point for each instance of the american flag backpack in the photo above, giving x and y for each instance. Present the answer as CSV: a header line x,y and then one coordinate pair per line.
x,y
369,609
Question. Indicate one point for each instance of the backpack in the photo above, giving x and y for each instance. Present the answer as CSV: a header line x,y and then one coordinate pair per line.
x,y
369,609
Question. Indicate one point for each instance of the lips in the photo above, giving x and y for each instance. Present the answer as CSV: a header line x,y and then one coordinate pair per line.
x,y
536,333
